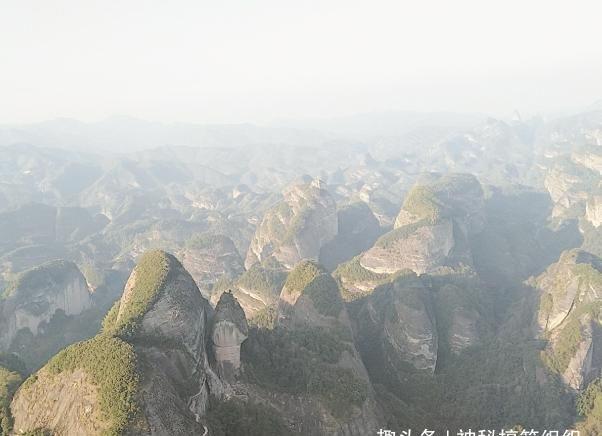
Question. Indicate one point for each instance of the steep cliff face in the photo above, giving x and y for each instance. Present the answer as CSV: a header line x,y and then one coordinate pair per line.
x,y
146,373
34,297
408,323
229,331
590,157
75,401
421,248
307,367
297,227
396,325
432,228
570,183
356,281
593,210
570,318
460,309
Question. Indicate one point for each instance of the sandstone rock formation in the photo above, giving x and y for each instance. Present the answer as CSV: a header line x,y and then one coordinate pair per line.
x,y
432,228
34,297
593,210
568,316
396,325
570,183
146,373
297,227
590,157
313,337
229,331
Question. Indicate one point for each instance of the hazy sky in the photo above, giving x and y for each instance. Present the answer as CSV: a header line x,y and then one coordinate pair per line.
x,y
253,60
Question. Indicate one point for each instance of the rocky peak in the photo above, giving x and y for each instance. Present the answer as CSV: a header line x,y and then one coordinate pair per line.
x,y
575,279
35,295
313,336
570,181
435,197
297,227
161,299
131,376
439,214
230,330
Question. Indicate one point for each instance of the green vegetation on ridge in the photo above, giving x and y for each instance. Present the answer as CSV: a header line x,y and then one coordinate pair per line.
x,y
569,338
353,271
9,382
301,276
107,359
111,364
265,279
325,295
387,240
302,361
150,275
589,406
422,202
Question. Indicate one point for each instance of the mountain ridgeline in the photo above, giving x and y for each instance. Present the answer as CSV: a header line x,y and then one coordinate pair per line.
x,y
447,277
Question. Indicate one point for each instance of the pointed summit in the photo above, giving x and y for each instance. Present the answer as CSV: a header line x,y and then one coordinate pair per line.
x,y
230,330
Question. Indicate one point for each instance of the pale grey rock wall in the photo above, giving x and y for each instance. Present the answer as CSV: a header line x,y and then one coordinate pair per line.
x,y
575,281
398,322
591,159
586,364
422,251
438,216
229,331
172,343
57,286
593,210
563,288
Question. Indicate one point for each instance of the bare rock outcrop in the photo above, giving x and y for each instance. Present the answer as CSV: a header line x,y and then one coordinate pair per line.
x,y
568,316
432,228
297,227
229,331
593,210
146,372
571,180
34,296
396,325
